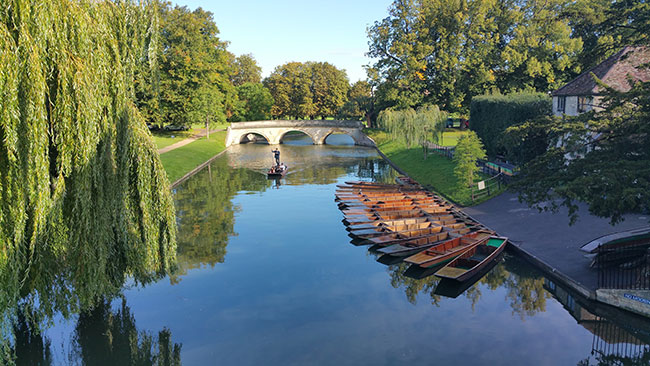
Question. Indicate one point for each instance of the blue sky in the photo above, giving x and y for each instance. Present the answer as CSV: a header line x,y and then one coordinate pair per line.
x,y
280,31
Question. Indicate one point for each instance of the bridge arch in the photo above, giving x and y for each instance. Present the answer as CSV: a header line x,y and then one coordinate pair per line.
x,y
245,137
340,132
284,134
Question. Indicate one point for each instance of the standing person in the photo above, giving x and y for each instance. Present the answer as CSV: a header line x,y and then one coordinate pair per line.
x,y
276,155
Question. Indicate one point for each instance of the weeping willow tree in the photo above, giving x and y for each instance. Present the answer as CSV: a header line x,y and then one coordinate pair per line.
x,y
84,199
413,127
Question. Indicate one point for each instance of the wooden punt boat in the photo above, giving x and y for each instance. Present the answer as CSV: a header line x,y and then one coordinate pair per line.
x,y
364,219
448,249
389,203
376,223
452,289
410,247
393,229
472,260
427,208
393,238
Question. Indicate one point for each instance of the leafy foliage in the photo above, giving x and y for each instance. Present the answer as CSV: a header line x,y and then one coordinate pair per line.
x,y
360,103
307,90
255,102
195,68
490,115
601,158
246,70
468,150
445,52
413,127
80,179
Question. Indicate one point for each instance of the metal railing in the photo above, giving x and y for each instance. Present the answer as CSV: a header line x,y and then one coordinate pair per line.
x,y
624,267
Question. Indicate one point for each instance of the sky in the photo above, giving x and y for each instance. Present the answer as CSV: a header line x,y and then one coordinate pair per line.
x,y
281,31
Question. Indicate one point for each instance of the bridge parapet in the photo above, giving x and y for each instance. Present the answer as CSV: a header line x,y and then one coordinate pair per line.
x,y
318,130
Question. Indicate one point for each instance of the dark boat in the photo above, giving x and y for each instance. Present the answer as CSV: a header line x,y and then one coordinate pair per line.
x,y
473,260
277,171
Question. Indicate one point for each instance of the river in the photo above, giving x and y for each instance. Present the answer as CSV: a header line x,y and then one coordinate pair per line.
x,y
267,276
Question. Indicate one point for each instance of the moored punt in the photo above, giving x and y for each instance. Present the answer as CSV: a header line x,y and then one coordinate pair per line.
x,y
448,249
417,245
389,203
404,236
374,224
392,229
426,207
472,260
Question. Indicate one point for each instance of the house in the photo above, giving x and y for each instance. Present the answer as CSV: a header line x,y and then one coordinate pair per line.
x,y
583,94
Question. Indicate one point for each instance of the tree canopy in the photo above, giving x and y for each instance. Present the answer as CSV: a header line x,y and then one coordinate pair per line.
x,y
444,52
311,89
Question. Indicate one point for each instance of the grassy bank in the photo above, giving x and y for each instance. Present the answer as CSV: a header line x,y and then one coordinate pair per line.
x,y
436,172
181,161
166,138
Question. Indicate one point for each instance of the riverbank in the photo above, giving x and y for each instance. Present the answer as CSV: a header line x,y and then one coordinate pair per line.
x,y
436,172
548,241
183,160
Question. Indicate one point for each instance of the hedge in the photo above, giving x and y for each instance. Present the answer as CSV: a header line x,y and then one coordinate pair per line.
x,y
490,115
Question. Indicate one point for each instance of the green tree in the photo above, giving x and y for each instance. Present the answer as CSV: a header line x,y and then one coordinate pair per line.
x,y
246,70
329,89
468,150
541,54
413,127
360,103
289,85
84,200
195,68
255,102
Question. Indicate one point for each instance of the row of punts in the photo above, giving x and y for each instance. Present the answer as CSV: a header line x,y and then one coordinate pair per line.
x,y
411,224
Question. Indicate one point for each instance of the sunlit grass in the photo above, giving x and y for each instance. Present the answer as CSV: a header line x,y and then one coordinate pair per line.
x,y
436,172
181,161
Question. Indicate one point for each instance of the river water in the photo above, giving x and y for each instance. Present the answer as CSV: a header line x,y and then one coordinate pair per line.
x,y
267,276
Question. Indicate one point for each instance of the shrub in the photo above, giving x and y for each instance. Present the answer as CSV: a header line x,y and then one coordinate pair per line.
x,y
490,115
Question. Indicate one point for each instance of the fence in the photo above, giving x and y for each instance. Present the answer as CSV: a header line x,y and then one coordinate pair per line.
x,y
447,151
624,267
484,187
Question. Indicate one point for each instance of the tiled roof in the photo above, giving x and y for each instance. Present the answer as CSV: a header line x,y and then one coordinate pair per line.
x,y
615,72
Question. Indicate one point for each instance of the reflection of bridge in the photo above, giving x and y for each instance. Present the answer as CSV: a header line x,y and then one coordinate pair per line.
x,y
274,131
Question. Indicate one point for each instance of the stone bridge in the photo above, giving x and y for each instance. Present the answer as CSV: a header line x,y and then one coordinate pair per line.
x,y
274,131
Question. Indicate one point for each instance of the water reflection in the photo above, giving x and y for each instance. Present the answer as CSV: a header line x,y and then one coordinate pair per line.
x,y
205,213
102,336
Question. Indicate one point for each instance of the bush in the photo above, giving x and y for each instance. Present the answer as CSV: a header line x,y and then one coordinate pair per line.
x,y
490,115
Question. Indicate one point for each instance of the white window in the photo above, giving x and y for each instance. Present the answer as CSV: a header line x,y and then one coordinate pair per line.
x,y
561,103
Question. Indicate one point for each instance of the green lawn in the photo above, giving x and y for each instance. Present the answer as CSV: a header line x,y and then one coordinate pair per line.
x,y
181,161
166,138
450,136
435,173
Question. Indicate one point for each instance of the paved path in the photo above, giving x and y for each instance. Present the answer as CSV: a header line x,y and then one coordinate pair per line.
x,y
548,236
186,141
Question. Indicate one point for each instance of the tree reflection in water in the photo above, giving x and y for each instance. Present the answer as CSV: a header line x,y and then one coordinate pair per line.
x,y
102,336
206,215
525,291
